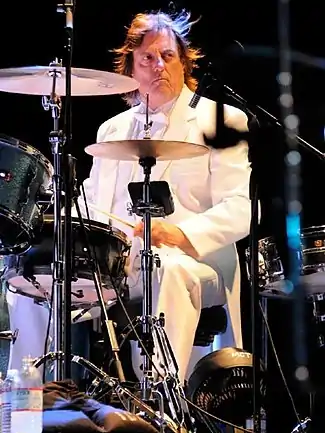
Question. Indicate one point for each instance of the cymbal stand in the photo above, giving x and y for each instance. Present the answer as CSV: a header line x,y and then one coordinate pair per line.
x,y
169,389
147,263
56,140
67,7
62,250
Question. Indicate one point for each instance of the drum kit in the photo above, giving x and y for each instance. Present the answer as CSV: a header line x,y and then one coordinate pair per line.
x,y
77,263
29,184
74,262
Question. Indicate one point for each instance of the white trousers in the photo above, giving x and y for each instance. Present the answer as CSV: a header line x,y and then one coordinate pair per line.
x,y
181,287
31,321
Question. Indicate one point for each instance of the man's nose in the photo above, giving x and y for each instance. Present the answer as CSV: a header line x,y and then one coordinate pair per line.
x,y
160,64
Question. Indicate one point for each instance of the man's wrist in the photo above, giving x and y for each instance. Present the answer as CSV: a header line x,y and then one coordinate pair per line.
x,y
187,246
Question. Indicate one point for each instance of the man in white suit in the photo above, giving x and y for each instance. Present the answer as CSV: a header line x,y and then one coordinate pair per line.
x,y
196,244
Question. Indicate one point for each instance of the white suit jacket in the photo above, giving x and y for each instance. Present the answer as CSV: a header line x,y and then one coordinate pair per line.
x,y
211,192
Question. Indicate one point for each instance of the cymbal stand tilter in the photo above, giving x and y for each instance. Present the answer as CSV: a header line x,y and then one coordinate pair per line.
x,y
153,335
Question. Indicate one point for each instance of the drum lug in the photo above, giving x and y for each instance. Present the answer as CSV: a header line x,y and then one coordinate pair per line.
x,y
77,262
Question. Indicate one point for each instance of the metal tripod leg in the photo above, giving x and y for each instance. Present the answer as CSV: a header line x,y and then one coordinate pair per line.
x,y
170,386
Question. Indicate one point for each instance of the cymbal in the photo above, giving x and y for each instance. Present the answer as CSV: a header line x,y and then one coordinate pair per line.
x,y
132,150
38,80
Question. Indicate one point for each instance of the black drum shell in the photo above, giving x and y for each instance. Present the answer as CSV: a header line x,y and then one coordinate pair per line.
x,y
109,247
24,174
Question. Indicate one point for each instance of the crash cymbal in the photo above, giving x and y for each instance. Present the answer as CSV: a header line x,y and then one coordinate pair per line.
x,y
37,80
132,150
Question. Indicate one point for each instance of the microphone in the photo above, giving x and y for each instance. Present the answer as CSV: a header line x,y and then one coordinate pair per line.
x,y
200,88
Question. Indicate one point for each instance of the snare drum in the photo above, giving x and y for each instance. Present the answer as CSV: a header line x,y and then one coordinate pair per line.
x,y
312,271
270,268
30,274
313,256
24,172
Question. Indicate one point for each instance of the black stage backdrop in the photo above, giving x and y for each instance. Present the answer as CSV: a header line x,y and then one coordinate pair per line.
x,y
33,34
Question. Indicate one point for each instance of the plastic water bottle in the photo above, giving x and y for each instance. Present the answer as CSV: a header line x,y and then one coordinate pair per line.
x,y
2,382
27,400
250,422
6,401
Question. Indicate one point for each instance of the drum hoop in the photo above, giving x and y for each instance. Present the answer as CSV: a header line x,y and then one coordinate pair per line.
x,y
305,232
17,248
316,266
96,224
313,250
312,230
35,153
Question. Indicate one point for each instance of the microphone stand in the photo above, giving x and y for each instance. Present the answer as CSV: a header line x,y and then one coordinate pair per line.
x,y
256,112
254,264
257,109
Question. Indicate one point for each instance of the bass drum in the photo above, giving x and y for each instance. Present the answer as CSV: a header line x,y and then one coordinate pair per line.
x,y
24,174
30,274
312,270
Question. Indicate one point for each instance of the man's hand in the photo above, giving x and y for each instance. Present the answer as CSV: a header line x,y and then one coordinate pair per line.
x,y
163,233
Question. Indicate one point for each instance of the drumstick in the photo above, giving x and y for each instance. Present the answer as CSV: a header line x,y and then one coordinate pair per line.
x,y
112,216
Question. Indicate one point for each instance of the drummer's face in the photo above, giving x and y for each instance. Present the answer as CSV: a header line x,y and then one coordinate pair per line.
x,y
158,68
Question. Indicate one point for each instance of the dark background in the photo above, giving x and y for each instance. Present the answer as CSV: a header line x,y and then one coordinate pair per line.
x,y
33,34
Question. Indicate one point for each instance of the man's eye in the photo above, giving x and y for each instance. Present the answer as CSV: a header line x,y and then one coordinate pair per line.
x,y
169,55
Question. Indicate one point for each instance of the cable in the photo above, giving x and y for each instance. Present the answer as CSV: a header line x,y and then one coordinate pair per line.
x,y
215,418
300,422
47,335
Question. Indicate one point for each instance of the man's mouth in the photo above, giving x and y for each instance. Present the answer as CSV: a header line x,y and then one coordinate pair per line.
x,y
160,79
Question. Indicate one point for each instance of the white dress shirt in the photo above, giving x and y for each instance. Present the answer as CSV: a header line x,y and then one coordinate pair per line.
x,y
131,171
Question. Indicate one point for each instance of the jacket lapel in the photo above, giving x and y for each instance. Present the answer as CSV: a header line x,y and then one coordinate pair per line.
x,y
179,126
179,122
121,130
108,170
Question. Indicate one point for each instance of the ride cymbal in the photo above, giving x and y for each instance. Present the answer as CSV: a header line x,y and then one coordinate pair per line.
x,y
131,150
38,80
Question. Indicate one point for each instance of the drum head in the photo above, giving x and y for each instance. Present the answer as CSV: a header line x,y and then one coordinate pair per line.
x,y
83,291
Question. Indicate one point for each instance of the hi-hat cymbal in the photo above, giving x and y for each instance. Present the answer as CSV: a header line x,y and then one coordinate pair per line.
x,y
38,80
132,150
